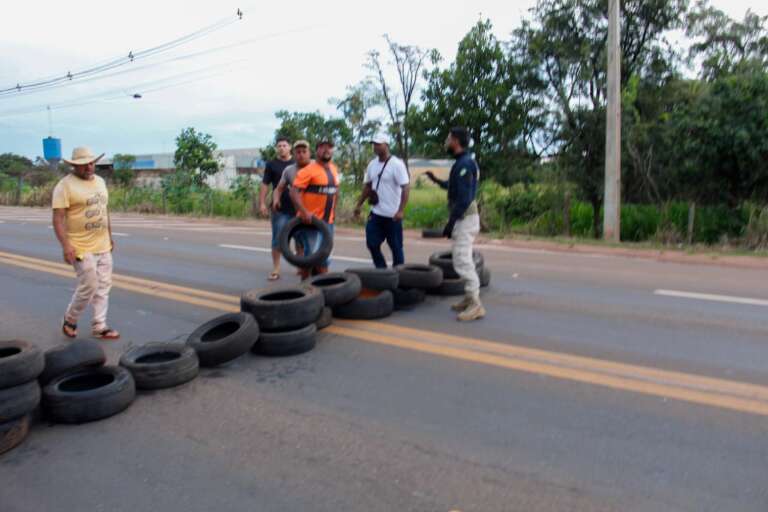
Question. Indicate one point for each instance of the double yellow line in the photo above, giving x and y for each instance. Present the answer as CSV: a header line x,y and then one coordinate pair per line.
x,y
727,394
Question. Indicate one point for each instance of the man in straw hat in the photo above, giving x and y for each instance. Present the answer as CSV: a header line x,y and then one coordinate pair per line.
x,y
81,223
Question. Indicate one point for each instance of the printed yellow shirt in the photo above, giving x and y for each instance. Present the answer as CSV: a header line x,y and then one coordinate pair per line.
x,y
86,205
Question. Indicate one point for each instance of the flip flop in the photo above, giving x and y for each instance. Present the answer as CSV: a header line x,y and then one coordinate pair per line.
x,y
72,327
107,334
274,276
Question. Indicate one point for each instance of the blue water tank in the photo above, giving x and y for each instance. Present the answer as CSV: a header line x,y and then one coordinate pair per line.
x,y
52,149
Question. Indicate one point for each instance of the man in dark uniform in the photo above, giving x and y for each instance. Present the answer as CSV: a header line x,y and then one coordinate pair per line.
x,y
464,220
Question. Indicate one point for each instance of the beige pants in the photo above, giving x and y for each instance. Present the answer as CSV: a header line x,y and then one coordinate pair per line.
x,y
94,280
464,233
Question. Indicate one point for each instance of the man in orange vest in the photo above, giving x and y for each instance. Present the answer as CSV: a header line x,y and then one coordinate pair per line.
x,y
314,192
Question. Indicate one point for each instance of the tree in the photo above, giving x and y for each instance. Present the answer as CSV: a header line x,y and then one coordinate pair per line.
x,y
123,172
15,167
355,107
407,61
724,44
566,41
195,156
491,93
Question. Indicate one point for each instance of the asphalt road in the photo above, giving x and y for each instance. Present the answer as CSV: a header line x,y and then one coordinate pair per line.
x,y
596,383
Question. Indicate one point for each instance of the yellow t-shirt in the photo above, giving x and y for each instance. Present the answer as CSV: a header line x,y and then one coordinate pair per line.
x,y
86,205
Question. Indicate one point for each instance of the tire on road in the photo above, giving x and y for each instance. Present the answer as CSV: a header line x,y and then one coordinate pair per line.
x,y
367,307
337,287
432,233
89,394
444,260
287,343
13,433
224,338
485,276
325,319
449,287
161,365
283,308
407,299
20,362
19,400
415,275
379,279
70,357
309,260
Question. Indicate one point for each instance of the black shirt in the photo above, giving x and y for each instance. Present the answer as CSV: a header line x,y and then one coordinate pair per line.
x,y
272,174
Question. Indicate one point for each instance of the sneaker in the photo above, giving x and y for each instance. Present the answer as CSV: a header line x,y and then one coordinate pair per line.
x,y
461,306
475,311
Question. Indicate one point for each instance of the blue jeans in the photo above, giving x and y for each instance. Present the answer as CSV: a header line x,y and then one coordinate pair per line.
x,y
279,220
311,243
379,229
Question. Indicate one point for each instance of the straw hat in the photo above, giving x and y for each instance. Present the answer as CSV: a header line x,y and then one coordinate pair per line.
x,y
83,156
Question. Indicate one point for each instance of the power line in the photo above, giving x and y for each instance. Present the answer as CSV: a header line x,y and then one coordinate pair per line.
x,y
121,61
187,56
144,87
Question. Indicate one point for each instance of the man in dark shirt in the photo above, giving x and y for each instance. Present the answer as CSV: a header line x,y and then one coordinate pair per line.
x,y
272,174
463,221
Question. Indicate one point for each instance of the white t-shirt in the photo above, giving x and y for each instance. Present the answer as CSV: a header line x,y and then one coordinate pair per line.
x,y
395,177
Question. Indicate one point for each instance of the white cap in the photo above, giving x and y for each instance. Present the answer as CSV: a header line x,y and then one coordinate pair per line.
x,y
380,138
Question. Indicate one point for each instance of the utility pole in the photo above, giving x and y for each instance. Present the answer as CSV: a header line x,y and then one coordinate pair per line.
x,y
612,196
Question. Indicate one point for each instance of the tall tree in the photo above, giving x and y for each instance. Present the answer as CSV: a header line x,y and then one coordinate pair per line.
x,y
122,166
566,41
408,61
491,93
356,108
724,44
195,156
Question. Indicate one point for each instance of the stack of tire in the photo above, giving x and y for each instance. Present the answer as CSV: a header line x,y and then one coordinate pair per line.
x,y
20,365
414,281
78,388
452,283
374,295
287,317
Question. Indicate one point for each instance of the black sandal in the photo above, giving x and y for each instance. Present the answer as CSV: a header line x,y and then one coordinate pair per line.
x,y
71,326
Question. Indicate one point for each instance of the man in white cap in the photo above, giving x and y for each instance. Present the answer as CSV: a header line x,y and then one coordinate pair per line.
x,y
81,222
386,188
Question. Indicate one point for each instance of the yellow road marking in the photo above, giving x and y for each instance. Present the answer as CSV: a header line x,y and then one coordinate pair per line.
x,y
733,395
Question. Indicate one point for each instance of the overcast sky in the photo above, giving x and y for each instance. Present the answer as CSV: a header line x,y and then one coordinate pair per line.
x,y
300,54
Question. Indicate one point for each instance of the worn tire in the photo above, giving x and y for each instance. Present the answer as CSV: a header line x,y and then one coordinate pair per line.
x,y
312,260
325,319
70,357
485,276
444,260
224,338
13,433
415,275
449,287
337,287
283,308
19,400
407,299
378,279
161,365
372,307
88,395
287,343
432,233
20,362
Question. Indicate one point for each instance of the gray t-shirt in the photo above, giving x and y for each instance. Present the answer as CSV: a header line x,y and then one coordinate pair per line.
x,y
289,174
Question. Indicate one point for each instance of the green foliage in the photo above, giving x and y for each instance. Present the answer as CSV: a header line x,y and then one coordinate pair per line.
x,y
123,172
491,92
245,187
194,157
